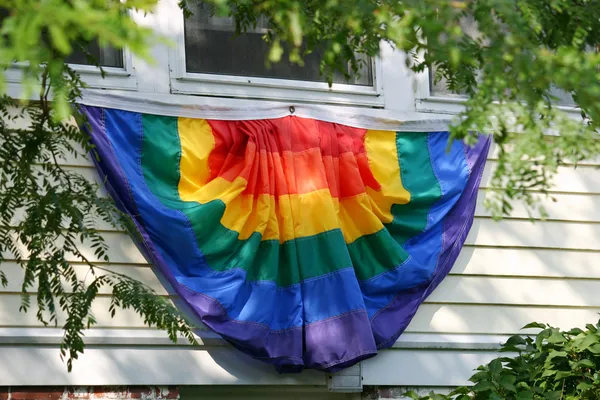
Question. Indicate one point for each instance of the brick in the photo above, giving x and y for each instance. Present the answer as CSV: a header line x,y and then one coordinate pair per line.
x,y
78,393
91,393
109,392
36,393
168,393
141,392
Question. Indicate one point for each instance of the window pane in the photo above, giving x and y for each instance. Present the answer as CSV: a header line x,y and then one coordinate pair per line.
x,y
212,47
106,56
440,88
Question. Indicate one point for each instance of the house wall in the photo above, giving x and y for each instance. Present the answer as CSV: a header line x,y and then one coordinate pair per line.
x,y
509,274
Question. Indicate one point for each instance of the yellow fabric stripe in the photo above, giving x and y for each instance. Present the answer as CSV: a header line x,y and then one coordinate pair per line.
x,y
296,216
357,217
383,160
197,142
283,218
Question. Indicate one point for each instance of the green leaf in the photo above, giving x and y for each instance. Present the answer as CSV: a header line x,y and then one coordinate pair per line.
x,y
534,325
515,341
585,363
584,386
275,52
595,349
563,374
295,28
435,396
59,39
556,395
495,367
585,342
412,394
507,382
482,386
549,372
525,395
556,354
556,337
479,376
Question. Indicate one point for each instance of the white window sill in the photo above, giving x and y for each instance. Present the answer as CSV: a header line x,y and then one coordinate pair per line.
x,y
277,89
115,78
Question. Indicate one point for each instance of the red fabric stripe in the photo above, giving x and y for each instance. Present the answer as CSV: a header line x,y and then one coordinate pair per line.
x,y
306,155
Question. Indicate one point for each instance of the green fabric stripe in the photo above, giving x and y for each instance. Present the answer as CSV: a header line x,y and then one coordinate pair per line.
x,y
161,145
376,253
420,180
263,260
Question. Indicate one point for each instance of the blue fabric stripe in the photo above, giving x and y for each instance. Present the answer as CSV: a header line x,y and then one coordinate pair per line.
x,y
452,181
308,302
424,248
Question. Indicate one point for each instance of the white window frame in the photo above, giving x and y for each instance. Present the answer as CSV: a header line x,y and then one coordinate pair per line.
x,y
427,102
183,82
115,77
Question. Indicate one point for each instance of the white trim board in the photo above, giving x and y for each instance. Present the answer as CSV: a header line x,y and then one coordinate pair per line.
x,y
178,105
415,367
152,337
147,357
156,366
161,365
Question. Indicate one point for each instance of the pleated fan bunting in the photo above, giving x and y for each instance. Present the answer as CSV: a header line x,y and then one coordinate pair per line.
x,y
304,243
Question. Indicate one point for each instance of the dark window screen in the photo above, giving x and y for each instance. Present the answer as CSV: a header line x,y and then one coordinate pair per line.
x,y
105,56
212,47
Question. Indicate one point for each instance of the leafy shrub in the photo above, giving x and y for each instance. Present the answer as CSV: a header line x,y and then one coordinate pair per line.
x,y
552,365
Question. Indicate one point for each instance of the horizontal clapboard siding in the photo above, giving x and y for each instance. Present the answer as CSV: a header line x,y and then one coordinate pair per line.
x,y
559,206
569,179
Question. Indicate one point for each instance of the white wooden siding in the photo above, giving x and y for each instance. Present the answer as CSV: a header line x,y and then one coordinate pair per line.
x,y
509,274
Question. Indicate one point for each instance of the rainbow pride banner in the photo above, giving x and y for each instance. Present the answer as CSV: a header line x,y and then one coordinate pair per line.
x,y
305,244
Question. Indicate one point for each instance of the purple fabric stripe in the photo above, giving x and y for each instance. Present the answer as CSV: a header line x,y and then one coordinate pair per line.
x,y
328,345
388,325
455,232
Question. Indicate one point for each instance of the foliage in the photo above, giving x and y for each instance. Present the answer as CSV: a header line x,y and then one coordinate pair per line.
x,y
29,36
49,212
552,365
